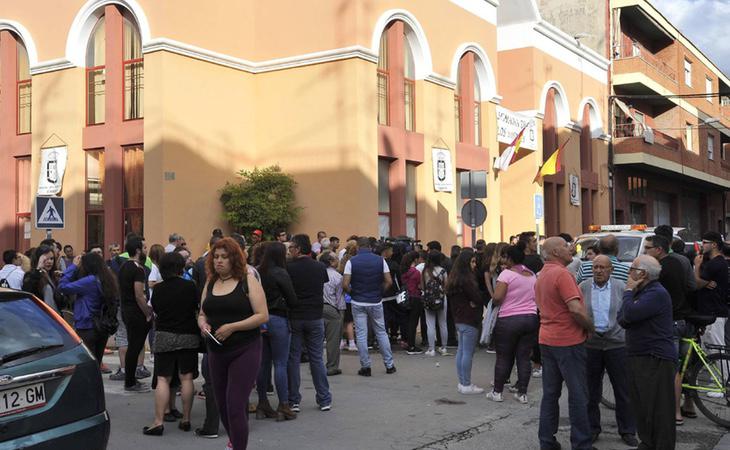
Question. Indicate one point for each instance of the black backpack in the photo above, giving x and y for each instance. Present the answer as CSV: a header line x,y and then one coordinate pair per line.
x,y
433,291
106,322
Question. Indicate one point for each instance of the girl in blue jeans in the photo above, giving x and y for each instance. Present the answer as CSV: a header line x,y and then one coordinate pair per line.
x,y
467,305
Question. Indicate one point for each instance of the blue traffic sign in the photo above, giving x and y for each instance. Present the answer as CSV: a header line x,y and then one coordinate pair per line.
x,y
49,213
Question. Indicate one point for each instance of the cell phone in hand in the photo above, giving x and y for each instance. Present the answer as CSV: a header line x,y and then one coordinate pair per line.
x,y
210,335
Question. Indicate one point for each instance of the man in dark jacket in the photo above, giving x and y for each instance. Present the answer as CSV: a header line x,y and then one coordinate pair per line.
x,y
606,349
305,317
646,314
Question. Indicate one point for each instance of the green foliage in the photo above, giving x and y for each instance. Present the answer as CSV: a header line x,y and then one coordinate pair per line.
x,y
263,199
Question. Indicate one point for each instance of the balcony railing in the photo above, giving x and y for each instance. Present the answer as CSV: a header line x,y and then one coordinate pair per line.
x,y
636,130
637,50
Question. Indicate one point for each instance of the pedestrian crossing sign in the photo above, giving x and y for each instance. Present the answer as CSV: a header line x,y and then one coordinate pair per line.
x,y
49,213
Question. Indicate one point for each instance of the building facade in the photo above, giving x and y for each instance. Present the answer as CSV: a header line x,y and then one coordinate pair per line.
x,y
670,122
159,103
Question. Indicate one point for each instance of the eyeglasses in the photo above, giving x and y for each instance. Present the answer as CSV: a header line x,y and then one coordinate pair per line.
x,y
636,268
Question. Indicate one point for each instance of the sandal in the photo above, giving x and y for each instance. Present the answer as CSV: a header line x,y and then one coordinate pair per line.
x,y
688,414
679,422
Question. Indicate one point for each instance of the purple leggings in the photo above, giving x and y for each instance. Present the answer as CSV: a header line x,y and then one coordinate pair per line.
x,y
233,374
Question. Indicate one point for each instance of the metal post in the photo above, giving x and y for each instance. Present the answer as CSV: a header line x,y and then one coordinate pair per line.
x,y
49,233
473,210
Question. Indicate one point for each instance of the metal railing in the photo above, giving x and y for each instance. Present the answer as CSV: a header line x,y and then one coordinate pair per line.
x,y
637,130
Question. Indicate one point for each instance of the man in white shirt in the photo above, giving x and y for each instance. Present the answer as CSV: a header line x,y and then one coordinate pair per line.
x,y
174,240
11,275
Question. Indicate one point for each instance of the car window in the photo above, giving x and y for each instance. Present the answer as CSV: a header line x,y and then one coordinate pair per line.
x,y
629,247
583,244
25,325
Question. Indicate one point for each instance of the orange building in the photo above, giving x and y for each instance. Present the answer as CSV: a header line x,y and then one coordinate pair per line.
x,y
159,103
671,120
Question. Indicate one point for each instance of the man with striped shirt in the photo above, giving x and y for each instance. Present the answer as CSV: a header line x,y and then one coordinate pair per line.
x,y
607,245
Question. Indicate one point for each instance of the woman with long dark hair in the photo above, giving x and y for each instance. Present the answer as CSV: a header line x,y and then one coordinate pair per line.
x,y
515,332
95,287
411,281
467,305
279,293
232,310
39,281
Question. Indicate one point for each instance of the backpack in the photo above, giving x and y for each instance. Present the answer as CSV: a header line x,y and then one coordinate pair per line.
x,y
433,291
106,322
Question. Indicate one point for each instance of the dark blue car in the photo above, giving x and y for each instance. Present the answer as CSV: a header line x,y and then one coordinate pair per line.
x,y
51,391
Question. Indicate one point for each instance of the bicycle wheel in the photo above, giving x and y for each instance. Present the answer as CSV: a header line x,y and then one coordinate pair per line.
x,y
607,398
714,405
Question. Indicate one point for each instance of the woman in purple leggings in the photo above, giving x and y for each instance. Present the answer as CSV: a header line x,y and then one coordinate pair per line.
x,y
232,310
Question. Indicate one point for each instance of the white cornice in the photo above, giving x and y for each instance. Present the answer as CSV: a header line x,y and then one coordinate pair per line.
x,y
651,160
571,125
484,9
605,137
532,113
497,99
565,40
441,80
51,66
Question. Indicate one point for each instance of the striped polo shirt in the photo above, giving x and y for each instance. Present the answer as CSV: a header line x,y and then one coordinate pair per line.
x,y
620,270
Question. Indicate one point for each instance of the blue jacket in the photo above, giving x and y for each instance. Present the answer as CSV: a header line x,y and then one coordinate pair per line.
x,y
367,277
88,297
647,317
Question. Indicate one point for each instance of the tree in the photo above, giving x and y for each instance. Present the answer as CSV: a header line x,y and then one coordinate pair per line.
x,y
262,199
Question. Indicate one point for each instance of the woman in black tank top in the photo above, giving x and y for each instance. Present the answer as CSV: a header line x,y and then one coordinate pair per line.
x,y
232,310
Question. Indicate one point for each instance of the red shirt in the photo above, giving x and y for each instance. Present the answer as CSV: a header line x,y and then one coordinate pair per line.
x,y
556,287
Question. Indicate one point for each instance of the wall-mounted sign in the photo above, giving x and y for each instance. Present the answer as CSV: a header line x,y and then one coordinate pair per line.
x,y
53,166
574,184
510,123
539,210
443,172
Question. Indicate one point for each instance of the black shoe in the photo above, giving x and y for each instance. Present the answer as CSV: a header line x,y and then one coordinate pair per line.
x,y
414,350
333,372
364,372
153,431
172,416
205,434
630,440
390,369
185,426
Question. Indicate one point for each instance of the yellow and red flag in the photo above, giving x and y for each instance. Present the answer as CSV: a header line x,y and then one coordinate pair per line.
x,y
552,165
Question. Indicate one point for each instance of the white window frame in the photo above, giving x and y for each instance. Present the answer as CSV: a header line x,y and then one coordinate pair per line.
x,y
710,147
688,136
708,88
688,72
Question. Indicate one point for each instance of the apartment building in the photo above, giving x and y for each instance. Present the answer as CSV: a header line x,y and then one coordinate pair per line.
x,y
670,124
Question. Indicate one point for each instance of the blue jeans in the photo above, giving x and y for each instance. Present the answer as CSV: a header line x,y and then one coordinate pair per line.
x,y
275,352
311,334
468,336
564,364
361,314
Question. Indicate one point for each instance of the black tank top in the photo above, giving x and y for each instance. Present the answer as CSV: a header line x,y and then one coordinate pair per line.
x,y
232,307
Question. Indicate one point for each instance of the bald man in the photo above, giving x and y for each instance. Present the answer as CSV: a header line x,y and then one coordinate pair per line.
x,y
607,245
564,325
606,349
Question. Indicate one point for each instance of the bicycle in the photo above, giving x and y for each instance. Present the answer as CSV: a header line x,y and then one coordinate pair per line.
x,y
706,378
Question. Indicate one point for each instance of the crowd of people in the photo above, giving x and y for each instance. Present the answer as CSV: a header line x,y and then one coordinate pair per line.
x,y
256,309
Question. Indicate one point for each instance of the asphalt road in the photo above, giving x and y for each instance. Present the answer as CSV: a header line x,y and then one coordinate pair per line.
x,y
416,408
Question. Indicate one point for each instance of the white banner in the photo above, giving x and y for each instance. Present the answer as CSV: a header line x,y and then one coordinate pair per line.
x,y
509,125
574,184
53,166
443,172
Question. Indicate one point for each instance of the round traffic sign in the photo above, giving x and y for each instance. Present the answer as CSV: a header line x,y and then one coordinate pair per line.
x,y
473,213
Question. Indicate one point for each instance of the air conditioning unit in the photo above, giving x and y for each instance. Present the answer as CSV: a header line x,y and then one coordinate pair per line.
x,y
725,101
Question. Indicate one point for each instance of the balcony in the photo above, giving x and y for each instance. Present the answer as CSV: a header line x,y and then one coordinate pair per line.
x,y
666,155
632,63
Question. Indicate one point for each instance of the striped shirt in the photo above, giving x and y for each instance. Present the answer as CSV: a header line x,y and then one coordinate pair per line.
x,y
620,270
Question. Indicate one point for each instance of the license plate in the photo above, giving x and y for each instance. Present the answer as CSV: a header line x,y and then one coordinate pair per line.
x,y
22,398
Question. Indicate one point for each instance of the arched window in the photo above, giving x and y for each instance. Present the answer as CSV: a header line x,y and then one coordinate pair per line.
x,y
133,71
586,141
96,74
467,102
24,89
396,78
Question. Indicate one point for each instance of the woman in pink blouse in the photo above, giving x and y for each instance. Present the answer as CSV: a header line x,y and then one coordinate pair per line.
x,y
517,324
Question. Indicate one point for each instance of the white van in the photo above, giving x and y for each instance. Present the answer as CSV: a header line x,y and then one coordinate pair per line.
x,y
630,239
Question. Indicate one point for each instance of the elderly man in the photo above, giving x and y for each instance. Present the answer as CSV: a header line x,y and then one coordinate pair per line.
x,y
174,241
607,245
564,325
646,314
606,349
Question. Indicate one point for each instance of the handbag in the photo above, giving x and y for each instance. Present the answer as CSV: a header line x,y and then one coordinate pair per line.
x,y
402,298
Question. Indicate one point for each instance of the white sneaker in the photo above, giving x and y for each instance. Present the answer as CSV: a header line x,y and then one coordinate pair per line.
x,y
512,388
715,394
352,348
431,352
495,396
444,352
470,390
522,398
537,372
343,344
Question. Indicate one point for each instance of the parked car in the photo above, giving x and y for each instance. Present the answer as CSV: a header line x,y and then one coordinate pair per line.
x,y
51,391
630,239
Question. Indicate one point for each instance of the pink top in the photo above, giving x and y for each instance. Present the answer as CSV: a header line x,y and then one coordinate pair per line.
x,y
520,298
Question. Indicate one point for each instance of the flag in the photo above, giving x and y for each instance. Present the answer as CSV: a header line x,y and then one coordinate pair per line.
x,y
552,165
510,155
